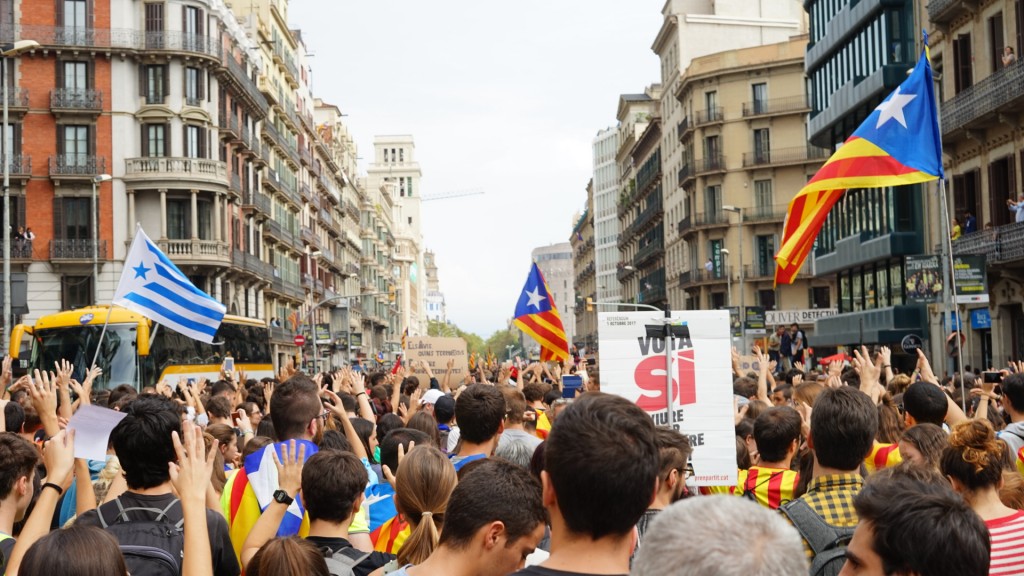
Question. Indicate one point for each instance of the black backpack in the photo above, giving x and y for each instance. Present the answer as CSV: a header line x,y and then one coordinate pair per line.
x,y
828,542
150,547
341,564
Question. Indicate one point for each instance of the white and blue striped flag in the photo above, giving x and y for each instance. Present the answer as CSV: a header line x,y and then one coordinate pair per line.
x,y
153,286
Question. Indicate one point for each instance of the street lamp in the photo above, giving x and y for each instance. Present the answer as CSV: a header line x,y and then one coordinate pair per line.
x,y
96,181
728,276
739,211
7,50
508,349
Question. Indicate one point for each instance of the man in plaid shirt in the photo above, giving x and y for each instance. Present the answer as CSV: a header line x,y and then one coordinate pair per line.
x,y
843,426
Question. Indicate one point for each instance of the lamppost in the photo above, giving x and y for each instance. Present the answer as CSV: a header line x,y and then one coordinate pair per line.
x,y
728,276
508,350
743,293
96,181
8,50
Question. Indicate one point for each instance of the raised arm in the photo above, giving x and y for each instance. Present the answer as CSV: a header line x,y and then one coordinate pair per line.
x,y
289,479
190,477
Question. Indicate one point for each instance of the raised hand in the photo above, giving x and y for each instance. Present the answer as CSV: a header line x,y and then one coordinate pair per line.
x,y
59,457
191,474
289,472
389,474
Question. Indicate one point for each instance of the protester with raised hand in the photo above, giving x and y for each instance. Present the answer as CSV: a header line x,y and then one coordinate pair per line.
x,y
289,482
190,476
59,458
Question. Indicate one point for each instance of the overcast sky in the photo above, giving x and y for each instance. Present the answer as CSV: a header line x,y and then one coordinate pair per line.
x,y
500,96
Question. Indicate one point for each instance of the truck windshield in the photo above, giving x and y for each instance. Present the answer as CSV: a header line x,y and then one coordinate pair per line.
x,y
77,344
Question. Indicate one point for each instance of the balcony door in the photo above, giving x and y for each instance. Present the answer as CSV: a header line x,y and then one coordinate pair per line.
x,y
76,145
73,19
762,146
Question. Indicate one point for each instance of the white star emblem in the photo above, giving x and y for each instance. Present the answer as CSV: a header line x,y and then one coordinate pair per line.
x,y
893,108
535,298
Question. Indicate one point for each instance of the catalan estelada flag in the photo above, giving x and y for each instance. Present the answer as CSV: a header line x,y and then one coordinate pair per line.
x,y
899,143
537,316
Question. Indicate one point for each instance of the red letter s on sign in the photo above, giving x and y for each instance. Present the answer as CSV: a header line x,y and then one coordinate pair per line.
x,y
650,377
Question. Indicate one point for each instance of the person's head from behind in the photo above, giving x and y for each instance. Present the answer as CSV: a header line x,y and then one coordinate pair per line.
x,y
924,402
295,408
496,515
404,437
425,422
535,391
517,452
973,461
610,442
777,434
515,404
14,417
1013,393
18,459
288,556
911,522
121,391
142,440
807,393
744,387
334,440
480,412
673,454
332,485
923,445
78,550
424,483
843,426
387,423
224,389
218,407
750,540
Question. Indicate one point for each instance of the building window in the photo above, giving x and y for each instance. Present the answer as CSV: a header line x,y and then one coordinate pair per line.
x,y
154,25
765,254
193,86
712,202
76,145
154,140
73,17
195,142
74,75
762,146
712,151
71,218
179,218
763,197
819,297
153,84
963,73
766,299
193,21
75,292
995,40
760,96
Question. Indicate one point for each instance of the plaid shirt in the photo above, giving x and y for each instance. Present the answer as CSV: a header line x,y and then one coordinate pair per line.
x,y
831,497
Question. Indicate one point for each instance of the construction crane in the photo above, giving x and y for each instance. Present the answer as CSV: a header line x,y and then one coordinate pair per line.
x,y
452,194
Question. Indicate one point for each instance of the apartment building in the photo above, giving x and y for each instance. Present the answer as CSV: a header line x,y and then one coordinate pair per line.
x,y
641,219
858,53
436,309
395,167
981,93
555,263
635,113
745,156
584,264
605,183
203,118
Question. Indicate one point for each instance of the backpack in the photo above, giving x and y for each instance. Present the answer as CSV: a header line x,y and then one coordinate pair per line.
x,y
340,564
150,547
828,542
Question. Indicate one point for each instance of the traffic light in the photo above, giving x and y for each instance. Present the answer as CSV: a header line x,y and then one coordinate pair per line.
x,y
391,294
590,304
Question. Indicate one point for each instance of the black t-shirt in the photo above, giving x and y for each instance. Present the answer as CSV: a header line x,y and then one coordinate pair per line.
x,y
6,547
372,562
541,571
224,561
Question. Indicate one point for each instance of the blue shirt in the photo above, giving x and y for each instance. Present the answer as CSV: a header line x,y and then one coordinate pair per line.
x,y
460,461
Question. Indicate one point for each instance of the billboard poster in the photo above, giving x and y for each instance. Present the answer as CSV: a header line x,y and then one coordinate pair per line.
x,y
924,279
754,320
971,280
633,366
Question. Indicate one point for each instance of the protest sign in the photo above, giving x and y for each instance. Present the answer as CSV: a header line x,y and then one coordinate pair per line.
x,y
633,366
436,352
92,426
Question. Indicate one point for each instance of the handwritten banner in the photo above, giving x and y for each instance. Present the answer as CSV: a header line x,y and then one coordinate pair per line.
x,y
436,352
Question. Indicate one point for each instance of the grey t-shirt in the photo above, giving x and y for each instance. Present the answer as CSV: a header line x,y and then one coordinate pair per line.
x,y
509,436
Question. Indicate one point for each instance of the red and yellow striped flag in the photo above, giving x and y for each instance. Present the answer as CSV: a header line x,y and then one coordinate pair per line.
x,y
537,315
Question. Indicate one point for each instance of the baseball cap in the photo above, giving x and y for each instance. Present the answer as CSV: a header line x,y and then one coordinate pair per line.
x,y
444,409
431,396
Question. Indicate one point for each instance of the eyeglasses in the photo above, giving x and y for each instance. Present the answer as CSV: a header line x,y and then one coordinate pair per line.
x,y
324,415
688,472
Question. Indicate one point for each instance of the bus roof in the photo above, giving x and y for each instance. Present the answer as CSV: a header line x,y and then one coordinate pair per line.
x,y
118,315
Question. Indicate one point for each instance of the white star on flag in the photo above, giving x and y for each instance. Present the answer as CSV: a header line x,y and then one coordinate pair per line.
x,y
893,108
535,298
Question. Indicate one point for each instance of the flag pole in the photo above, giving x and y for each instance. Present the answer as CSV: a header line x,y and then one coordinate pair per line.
x,y
103,333
947,246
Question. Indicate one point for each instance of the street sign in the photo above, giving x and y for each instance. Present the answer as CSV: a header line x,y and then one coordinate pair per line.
x,y
911,343
300,340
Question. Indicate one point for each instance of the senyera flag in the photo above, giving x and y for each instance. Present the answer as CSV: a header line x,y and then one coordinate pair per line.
x,y
153,286
537,315
898,144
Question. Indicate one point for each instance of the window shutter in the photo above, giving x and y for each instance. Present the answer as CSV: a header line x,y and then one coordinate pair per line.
x,y
142,79
58,13
58,218
90,74
201,81
166,70
60,139
16,139
59,69
145,139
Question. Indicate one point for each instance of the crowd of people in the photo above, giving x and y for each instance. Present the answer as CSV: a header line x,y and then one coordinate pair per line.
x,y
853,469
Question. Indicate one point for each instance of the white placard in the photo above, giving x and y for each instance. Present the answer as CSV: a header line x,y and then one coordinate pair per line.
x,y
633,366
92,426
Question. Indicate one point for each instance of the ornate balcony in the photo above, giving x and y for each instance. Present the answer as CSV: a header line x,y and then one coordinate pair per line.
x,y
20,249
709,164
256,203
210,174
781,156
775,106
76,166
709,116
17,100
76,100
196,252
77,250
1000,96
117,39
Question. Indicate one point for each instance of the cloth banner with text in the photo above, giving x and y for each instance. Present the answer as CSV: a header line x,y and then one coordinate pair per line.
x,y
436,352
633,366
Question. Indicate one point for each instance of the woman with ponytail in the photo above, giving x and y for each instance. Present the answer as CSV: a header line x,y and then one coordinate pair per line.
x,y
974,463
424,483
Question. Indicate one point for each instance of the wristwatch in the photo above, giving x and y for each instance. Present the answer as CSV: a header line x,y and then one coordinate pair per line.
x,y
283,497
